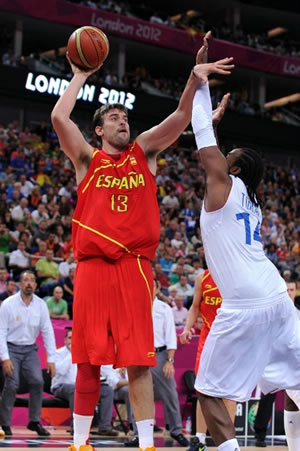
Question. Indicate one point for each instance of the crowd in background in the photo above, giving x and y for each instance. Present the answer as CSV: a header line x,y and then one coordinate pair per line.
x,y
38,197
195,21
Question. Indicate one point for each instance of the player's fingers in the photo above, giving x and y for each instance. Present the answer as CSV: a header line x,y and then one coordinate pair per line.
x,y
226,60
208,35
225,99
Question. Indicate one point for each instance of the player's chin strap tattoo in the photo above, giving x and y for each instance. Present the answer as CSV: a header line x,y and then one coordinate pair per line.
x,y
202,118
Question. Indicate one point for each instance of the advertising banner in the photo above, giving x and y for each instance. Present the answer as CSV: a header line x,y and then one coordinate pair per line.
x,y
64,12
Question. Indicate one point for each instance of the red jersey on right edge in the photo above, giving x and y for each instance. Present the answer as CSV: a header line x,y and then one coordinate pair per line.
x,y
117,211
210,302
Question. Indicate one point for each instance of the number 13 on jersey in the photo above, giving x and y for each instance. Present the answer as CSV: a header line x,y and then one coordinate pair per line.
x,y
119,202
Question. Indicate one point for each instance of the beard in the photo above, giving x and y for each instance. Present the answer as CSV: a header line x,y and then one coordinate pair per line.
x,y
120,141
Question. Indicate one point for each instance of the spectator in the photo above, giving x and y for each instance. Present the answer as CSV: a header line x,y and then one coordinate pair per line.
x,y
5,240
47,271
57,306
65,266
3,280
40,214
183,288
179,311
171,202
68,286
18,211
10,290
19,260
40,253
41,233
161,276
26,186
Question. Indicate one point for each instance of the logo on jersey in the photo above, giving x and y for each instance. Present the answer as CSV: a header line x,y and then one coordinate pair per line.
x,y
105,161
132,160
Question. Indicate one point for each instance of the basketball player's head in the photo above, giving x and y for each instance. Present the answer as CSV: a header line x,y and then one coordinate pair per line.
x,y
111,125
247,164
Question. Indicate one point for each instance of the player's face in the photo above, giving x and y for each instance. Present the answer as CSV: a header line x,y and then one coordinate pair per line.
x,y
291,287
27,284
232,157
115,128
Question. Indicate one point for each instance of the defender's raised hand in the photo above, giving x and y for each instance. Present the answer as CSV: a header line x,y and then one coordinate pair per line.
x,y
222,67
202,54
218,113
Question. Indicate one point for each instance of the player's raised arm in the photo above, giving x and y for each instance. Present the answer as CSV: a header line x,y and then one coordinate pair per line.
x,y
70,138
160,137
215,164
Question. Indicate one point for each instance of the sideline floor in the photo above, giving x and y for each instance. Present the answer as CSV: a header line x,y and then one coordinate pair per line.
x,y
23,438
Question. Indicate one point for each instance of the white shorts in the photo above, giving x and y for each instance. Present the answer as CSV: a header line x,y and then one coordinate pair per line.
x,y
251,346
295,396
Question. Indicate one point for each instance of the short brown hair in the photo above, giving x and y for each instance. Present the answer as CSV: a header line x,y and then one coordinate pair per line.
x,y
104,109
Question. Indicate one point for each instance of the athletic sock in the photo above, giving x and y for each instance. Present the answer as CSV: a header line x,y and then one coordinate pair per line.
x,y
201,436
229,445
145,431
292,429
82,425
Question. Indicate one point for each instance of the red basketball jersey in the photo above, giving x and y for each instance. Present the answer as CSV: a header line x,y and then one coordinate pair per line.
x,y
117,210
211,299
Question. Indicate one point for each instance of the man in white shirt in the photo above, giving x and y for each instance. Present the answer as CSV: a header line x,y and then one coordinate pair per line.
x,y
26,186
65,266
18,211
165,342
22,317
19,259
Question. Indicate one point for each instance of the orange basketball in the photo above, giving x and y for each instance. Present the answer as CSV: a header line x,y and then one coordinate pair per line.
x,y
88,47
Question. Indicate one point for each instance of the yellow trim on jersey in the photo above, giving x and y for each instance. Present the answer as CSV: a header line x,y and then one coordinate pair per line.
x,y
101,234
205,277
110,165
145,278
208,290
205,321
95,152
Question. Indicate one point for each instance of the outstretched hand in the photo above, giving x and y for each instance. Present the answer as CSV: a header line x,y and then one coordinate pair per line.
x,y
78,70
222,67
202,54
218,113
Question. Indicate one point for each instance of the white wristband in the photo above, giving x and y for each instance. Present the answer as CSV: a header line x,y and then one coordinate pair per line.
x,y
202,118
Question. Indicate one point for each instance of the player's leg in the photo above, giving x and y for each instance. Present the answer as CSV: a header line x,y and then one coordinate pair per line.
x,y
231,407
87,390
142,403
219,422
292,419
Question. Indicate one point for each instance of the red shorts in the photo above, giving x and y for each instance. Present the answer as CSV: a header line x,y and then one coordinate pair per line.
x,y
112,313
203,335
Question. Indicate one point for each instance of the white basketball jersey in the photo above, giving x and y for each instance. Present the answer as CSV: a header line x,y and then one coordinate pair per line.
x,y
234,250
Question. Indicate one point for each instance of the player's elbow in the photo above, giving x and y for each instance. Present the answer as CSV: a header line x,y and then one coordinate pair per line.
x,y
56,118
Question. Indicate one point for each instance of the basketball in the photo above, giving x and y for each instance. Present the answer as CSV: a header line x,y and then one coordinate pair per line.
x,y
88,47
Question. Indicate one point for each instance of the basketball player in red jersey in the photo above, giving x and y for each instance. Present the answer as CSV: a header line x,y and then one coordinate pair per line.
x,y
207,300
115,234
